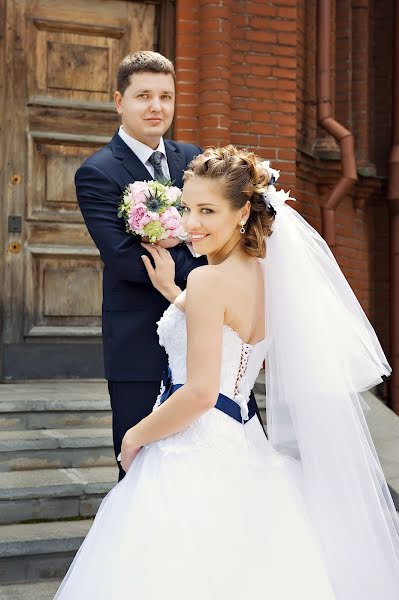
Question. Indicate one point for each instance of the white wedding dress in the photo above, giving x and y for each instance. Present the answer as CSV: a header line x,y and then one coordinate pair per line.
x,y
211,513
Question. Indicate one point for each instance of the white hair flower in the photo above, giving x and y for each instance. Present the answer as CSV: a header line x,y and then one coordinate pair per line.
x,y
273,173
272,197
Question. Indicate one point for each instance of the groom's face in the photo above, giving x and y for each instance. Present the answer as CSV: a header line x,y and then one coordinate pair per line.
x,y
147,106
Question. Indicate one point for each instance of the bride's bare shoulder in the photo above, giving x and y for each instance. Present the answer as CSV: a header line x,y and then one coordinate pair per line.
x,y
206,282
205,302
202,278
207,275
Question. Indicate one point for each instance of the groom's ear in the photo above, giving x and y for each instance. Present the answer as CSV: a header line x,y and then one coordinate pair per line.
x,y
118,102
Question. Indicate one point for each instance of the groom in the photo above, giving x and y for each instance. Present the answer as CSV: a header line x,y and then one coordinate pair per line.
x,y
134,360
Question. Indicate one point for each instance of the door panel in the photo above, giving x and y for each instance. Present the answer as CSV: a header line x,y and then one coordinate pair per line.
x,y
60,75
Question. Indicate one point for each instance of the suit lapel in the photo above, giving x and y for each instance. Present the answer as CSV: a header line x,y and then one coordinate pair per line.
x,y
137,170
129,160
175,163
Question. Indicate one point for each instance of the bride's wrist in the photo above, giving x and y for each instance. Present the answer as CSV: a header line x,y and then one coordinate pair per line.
x,y
171,292
131,439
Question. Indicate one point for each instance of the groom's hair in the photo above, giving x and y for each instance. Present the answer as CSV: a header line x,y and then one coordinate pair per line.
x,y
140,62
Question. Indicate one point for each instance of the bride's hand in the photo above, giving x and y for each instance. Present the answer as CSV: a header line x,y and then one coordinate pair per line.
x,y
129,449
163,276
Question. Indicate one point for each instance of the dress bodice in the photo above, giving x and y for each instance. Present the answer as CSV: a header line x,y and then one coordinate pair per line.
x,y
240,365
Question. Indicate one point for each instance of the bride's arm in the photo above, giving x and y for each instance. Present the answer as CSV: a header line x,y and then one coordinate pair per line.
x,y
205,307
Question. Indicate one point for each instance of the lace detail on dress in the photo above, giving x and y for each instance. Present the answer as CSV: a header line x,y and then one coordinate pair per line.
x,y
158,400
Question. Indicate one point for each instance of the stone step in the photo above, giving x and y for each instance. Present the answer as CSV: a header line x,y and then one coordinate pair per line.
x,y
55,448
60,404
38,551
259,391
53,493
40,590
54,405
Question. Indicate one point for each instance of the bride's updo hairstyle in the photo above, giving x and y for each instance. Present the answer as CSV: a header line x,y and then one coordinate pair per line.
x,y
240,177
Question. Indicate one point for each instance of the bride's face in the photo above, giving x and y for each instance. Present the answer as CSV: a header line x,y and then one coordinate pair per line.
x,y
208,216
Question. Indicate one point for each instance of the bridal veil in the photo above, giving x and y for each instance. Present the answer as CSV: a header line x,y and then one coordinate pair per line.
x,y
323,353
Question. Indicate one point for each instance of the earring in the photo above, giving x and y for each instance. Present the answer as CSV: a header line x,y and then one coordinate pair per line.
x,y
242,228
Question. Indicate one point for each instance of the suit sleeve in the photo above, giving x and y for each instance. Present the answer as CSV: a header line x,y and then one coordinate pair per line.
x,y
98,198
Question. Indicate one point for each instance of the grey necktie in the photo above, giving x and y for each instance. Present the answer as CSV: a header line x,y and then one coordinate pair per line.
x,y
156,161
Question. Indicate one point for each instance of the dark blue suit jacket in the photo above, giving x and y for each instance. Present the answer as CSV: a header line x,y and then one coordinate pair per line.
x,y
131,305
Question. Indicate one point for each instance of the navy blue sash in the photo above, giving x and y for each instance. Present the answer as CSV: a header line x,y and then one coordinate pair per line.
x,y
225,404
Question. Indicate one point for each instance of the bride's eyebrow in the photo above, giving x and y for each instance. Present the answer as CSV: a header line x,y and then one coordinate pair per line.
x,y
202,204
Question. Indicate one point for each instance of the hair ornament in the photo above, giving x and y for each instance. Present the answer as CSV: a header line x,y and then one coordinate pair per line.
x,y
273,198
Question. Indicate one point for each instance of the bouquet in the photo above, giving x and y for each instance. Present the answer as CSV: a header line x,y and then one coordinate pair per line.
x,y
152,210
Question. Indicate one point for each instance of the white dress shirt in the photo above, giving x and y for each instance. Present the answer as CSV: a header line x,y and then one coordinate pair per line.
x,y
144,152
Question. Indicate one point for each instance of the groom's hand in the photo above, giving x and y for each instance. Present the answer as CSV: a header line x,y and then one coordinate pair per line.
x,y
162,275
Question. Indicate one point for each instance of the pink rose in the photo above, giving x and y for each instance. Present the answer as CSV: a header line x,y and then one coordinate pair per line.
x,y
138,191
171,222
139,217
171,213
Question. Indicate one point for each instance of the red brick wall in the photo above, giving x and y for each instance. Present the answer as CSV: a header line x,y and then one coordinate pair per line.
x,y
241,86
186,127
381,127
246,73
362,62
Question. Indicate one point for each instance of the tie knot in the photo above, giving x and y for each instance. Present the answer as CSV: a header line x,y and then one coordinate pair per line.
x,y
156,158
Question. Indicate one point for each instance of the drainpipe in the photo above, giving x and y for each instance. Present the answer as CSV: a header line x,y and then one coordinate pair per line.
x,y
326,120
393,202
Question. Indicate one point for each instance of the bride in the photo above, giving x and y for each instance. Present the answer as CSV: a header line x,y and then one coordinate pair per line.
x,y
210,508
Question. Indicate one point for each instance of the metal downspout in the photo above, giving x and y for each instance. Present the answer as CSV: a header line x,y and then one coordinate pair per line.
x,y
326,120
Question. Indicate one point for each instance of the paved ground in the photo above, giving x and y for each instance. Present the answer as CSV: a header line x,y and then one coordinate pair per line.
x,y
42,590
384,428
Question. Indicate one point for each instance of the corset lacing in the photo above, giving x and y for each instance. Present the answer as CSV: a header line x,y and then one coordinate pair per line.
x,y
241,388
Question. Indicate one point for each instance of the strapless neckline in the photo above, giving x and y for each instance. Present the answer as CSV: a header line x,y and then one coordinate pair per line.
x,y
225,326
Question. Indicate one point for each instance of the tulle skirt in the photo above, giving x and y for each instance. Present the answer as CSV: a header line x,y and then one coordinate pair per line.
x,y
211,513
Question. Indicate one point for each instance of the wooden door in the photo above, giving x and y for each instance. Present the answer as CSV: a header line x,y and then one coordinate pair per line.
x,y
58,80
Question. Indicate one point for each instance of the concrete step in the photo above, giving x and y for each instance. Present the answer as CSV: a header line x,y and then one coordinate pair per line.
x,y
39,551
54,405
41,590
53,493
55,448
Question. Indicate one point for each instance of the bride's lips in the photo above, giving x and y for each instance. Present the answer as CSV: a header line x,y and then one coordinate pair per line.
x,y
198,237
